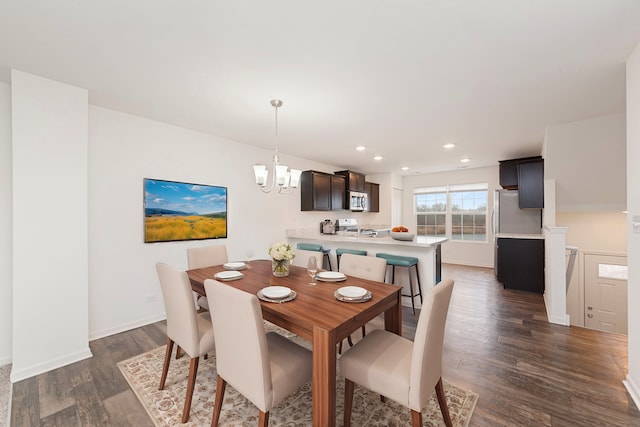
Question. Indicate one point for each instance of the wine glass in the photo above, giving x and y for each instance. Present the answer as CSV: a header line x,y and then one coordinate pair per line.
x,y
249,254
312,269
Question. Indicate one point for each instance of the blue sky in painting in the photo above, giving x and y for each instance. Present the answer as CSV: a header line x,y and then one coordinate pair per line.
x,y
190,198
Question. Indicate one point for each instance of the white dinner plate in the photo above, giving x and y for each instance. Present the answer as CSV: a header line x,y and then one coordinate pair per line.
x,y
331,276
276,292
235,266
352,292
228,275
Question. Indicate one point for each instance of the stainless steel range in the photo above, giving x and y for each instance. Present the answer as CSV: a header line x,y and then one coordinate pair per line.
x,y
347,227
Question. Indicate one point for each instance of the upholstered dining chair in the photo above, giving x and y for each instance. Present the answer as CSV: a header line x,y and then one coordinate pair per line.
x,y
302,257
191,331
399,369
364,267
264,367
206,256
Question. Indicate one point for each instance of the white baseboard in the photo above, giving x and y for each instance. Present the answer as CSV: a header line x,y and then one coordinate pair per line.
x,y
94,335
31,371
564,319
633,390
5,360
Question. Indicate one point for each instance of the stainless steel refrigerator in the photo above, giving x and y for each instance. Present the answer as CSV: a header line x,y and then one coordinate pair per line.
x,y
508,218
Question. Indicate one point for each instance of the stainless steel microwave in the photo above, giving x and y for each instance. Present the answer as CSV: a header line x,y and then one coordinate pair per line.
x,y
357,201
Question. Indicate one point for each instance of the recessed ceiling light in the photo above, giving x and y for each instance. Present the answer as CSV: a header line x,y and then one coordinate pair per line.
x,y
405,168
377,158
465,160
361,148
448,146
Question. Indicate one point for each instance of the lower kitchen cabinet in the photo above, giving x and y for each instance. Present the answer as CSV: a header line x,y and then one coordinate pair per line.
x,y
520,264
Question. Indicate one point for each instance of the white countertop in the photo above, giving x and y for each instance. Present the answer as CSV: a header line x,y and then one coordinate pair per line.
x,y
519,236
418,241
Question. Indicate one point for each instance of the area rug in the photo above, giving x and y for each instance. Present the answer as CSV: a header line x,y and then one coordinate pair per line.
x,y
165,407
5,395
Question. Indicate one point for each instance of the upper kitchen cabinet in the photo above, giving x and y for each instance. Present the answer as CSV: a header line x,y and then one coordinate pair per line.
x,y
373,196
531,184
354,180
527,176
321,191
338,192
315,191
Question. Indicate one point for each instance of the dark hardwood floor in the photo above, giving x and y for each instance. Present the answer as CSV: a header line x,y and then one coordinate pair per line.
x,y
498,343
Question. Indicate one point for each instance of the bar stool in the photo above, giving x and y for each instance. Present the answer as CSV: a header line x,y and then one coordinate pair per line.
x,y
341,251
317,248
408,262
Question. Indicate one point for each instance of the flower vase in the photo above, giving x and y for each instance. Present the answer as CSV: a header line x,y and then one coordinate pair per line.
x,y
280,267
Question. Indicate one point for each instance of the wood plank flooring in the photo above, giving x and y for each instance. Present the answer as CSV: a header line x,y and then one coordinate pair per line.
x,y
498,343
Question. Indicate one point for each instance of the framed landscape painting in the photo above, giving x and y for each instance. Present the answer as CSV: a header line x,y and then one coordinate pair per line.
x,y
176,211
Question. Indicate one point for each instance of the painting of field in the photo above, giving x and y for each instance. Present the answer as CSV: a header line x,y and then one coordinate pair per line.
x,y
181,211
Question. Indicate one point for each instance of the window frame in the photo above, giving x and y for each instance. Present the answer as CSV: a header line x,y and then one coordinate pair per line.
x,y
450,191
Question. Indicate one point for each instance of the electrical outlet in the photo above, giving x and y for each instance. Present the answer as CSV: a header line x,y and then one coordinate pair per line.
x,y
150,298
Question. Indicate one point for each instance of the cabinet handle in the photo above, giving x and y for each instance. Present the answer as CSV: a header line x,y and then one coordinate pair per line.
x,y
590,316
589,308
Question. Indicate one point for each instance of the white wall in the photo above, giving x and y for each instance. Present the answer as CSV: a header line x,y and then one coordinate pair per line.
x,y
633,202
6,257
49,153
587,159
124,149
465,253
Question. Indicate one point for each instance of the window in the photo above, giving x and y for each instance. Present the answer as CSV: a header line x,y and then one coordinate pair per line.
x,y
456,211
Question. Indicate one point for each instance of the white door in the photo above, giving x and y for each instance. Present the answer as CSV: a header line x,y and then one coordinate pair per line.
x,y
605,299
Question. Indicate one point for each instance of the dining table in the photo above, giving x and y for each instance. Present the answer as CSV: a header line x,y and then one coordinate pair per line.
x,y
315,314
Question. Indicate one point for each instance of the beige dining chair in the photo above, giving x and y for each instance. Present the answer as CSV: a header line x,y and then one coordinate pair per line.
x,y
206,256
191,331
302,258
263,367
364,267
404,371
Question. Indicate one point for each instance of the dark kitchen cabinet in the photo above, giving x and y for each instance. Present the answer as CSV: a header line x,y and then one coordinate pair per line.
x,y
531,184
338,192
321,191
373,196
520,264
315,191
355,180
509,174
527,176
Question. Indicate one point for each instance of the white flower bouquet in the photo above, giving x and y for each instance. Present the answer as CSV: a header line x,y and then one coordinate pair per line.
x,y
281,251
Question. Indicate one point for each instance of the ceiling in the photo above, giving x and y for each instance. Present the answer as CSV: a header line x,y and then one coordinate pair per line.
x,y
401,78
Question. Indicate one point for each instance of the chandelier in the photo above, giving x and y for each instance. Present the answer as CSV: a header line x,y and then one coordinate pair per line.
x,y
282,179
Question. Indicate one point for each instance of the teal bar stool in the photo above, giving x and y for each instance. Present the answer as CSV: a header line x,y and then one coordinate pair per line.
x,y
317,248
408,262
341,251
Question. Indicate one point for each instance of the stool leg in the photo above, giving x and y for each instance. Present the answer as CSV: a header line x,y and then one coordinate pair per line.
x,y
338,258
329,262
413,297
419,287
393,274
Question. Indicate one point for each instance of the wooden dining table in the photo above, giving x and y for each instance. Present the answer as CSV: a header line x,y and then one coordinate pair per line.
x,y
316,315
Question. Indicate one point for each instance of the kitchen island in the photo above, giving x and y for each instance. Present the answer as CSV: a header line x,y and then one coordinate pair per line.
x,y
426,249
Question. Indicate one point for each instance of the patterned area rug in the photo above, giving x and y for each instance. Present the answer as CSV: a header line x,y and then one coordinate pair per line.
x,y
165,407
5,394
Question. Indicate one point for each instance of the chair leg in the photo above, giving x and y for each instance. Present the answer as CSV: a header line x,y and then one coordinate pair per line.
x,y
263,420
416,418
348,401
217,406
442,402
167,359
364,331
193,371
